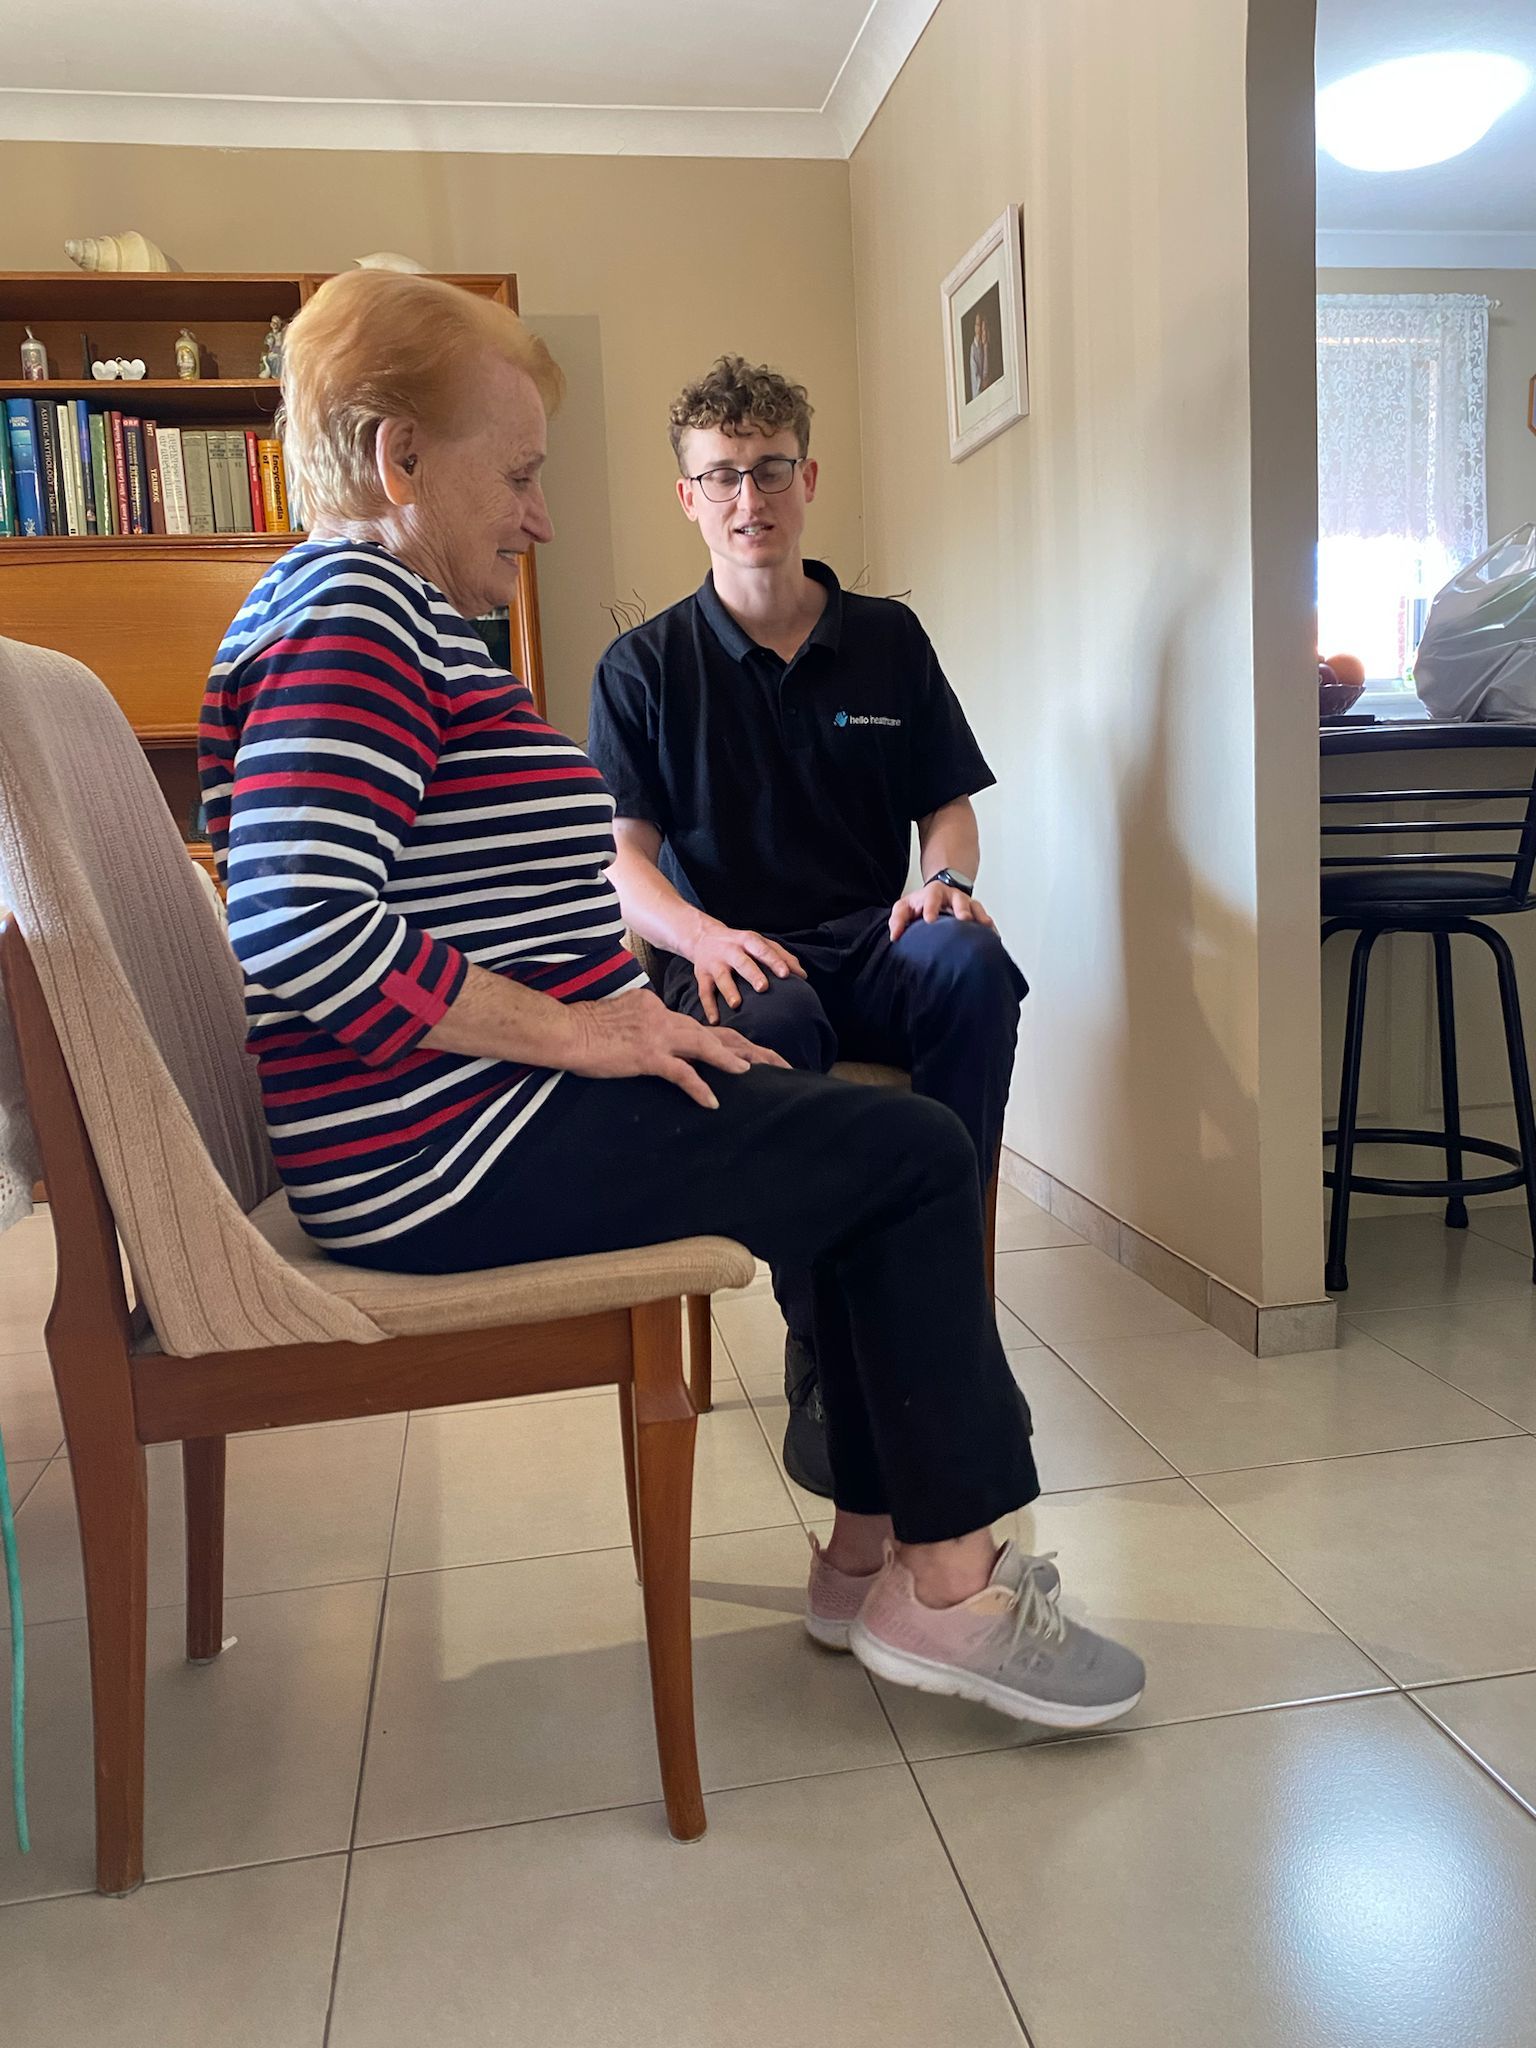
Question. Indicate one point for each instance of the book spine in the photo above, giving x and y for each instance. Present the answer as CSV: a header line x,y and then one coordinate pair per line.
x,y
194,450
48,466
218,470
74,511
105,518
152,472
120,472
239,489
173,480
7,485
253,481
82,420
274,487
138,494
21,430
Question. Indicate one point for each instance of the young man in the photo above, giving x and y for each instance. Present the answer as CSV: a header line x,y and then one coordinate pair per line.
x,y
770,743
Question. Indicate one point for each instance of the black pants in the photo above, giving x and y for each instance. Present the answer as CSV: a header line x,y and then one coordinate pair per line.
x,y
943,1002
872,1192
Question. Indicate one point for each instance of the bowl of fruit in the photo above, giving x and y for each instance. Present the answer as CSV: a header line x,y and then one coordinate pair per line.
x,y
1340,684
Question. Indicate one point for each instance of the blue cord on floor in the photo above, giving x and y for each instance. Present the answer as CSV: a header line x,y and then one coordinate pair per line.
x,y
18,1662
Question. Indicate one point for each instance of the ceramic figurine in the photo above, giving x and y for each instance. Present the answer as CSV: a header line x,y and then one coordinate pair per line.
x,y
128,251
272,350
34,360
118,366
188,356
386,259
130,372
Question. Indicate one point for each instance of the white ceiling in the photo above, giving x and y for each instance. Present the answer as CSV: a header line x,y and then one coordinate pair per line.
x,y
653,77
1478,210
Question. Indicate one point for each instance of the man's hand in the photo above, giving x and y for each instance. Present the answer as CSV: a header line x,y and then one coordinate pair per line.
x,y
638,1034
930,903
723,954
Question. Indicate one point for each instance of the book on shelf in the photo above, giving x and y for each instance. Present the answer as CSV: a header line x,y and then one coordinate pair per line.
x,y
194,453
120,472
21,432
82,458
218,467
106,517
274,486
253,481
173,479
69,464
7,487
152,478
138,488
48,465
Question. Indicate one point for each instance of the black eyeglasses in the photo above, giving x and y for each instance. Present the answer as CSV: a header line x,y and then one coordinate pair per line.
x,y
773,474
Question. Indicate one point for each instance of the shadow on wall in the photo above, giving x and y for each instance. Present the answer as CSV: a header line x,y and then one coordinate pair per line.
x,y
576,569
1187,952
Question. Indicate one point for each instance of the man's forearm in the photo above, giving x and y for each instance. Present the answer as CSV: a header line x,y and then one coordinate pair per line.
x,y
950,838
652,907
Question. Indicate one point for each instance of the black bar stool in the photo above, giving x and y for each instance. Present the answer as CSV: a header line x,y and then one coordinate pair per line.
x,y
1439,894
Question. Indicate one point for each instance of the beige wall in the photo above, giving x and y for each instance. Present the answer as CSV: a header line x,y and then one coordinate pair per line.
x,y
638,270
1089,580
1511,365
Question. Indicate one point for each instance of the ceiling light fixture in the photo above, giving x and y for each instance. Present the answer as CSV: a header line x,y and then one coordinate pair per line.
x,y
1417,110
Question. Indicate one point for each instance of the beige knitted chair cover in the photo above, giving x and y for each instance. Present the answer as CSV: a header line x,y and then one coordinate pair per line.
x,y
145,996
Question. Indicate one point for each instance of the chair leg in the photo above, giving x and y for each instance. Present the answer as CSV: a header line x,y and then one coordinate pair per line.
x,y
1349,1107
701,1368
627,1436
202,1465
665,1426
1450,1092
112,1504
989,1228
1519,1065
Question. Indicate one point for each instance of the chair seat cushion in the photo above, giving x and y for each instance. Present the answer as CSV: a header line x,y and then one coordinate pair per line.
x,y
871,1074
546,1291
1442,889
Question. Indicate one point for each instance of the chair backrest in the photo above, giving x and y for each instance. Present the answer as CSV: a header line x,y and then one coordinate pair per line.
x,y
145,997
1493,827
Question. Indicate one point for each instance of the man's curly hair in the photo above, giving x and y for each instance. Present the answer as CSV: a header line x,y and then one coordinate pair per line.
x,y
737,397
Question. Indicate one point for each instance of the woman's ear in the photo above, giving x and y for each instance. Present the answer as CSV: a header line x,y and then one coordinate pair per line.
x,y
397,456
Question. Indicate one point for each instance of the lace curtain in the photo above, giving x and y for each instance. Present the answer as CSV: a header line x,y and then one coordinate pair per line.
x,y
1402,401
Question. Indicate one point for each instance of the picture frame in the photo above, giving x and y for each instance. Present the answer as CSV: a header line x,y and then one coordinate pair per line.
x,y
986,355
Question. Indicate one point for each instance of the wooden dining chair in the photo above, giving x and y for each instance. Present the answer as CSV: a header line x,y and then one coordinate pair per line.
x,y
125,1002
866,1073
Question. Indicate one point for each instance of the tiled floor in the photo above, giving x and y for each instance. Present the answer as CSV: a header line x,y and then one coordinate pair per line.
x,y
415,1802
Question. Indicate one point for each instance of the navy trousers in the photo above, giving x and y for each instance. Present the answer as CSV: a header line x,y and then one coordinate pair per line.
x,y
943,1002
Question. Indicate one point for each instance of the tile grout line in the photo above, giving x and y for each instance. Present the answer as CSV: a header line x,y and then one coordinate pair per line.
x,y
1387,1345
1526,1806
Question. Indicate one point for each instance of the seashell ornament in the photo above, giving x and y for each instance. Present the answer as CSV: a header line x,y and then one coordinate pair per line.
x,y
386,259
127,251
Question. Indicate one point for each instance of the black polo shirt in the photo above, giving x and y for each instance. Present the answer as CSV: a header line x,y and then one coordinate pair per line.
x,y
785,792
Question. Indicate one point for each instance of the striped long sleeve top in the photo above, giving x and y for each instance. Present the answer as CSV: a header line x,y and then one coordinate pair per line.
x,y
386,806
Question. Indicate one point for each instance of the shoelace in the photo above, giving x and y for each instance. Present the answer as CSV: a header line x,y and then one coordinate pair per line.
x,y
1037,1612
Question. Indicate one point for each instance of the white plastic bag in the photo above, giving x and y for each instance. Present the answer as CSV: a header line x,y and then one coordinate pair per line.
x,y
1477,659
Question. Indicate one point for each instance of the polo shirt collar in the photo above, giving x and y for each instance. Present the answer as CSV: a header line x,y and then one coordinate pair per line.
x,y
827,631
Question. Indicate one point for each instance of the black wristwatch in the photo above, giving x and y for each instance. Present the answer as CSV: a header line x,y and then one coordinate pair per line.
x,y
953,879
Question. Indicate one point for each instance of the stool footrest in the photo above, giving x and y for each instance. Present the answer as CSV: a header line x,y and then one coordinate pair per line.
x,y
1433,1141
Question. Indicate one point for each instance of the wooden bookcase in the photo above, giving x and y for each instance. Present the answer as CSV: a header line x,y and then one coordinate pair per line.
x,y
146,612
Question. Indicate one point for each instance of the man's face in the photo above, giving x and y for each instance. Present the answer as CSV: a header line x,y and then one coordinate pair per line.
x,y
759,529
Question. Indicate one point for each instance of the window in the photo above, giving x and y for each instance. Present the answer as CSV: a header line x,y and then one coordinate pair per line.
x,y
1402,400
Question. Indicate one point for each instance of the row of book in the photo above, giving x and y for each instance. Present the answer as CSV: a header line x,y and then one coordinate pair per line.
x,y
65,470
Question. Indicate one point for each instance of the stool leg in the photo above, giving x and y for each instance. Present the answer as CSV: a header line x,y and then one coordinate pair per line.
x,y
1450,1093
1519,1066
1349,1106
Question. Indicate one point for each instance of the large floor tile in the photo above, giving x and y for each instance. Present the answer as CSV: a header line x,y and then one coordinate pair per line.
x,y
1426,1558
1081,1293
751,1331
305,1507
818,1912
541,1478
1510,1227
1339,1876
243,1959
1496,1719
772,1410
253,1758
1415,1262
29,1410
1488,1349
1015,1333
1023,1226
22,1477
1156,1567
1079,1439
26,1283
1209,1405
515,1691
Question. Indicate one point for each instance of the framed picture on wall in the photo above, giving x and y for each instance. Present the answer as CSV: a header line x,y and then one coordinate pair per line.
x,y
986,365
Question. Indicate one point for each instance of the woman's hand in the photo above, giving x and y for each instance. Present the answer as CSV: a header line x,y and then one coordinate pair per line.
x,y
638,1034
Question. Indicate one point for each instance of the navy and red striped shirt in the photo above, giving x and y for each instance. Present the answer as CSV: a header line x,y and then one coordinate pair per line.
x,y
386,806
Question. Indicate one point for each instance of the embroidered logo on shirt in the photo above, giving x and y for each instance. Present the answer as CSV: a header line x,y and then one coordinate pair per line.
x,y
862,718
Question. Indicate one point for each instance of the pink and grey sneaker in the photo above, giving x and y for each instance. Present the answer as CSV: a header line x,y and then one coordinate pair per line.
x,y
833,1600
1009,1647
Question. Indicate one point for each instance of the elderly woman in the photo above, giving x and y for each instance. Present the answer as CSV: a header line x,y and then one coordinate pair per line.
x,y
463,1067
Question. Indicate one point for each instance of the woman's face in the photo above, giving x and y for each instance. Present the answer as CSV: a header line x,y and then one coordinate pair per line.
x,y
476,500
